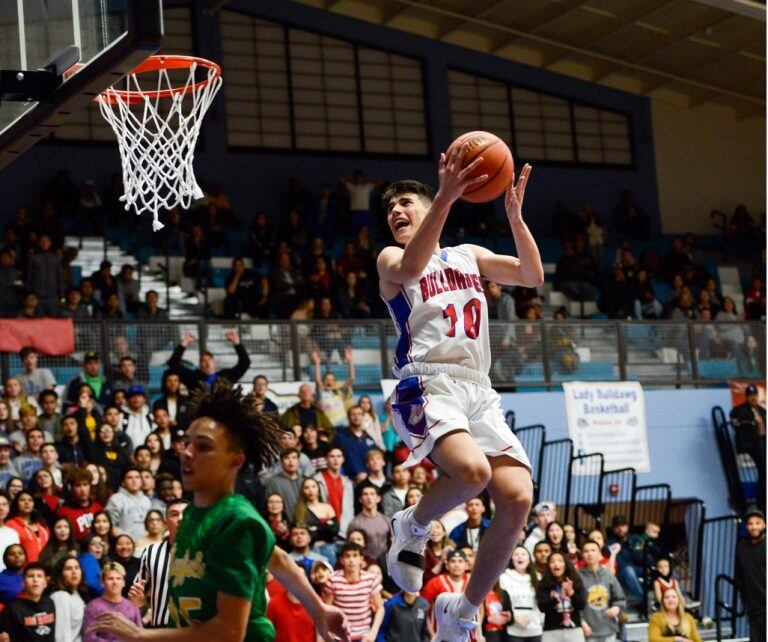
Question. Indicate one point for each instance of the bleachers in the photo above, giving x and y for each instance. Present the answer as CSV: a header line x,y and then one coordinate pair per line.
x,y
704,547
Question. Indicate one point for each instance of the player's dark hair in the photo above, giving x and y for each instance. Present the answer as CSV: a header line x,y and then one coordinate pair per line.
x,y
426,192
255,433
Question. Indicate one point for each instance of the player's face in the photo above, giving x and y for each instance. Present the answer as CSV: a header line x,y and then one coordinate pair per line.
x,y
405,214
207,461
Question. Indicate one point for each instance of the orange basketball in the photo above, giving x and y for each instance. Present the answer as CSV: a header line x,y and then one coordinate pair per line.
x,y
497,163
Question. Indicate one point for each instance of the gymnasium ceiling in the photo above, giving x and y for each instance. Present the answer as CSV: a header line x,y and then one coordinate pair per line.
x,y
691,52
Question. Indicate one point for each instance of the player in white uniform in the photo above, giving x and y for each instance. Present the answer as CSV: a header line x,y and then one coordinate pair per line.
x,y
443,406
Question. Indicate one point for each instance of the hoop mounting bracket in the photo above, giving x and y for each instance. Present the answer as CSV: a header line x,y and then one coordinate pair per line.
x,y
35,84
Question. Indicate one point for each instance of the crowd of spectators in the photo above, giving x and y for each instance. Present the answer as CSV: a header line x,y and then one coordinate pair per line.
x,y
624,288
92,498
317,260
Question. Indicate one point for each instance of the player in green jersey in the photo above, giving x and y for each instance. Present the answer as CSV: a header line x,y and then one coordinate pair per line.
x,y
223,546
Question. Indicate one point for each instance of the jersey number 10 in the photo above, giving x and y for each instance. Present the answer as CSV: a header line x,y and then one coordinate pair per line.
x,y
471,315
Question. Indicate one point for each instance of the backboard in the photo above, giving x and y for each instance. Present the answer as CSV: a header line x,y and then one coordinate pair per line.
x,y
113,36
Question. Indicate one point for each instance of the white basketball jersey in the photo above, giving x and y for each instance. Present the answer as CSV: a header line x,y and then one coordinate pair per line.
x,y
442,315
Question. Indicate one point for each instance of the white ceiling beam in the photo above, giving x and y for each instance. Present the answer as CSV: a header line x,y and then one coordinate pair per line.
x,y
629,64
702,98
723,52
672,39
746,8
566,9
458,24
635,17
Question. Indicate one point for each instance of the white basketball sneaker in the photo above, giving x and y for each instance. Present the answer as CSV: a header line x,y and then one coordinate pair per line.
x,y
405,559
451,627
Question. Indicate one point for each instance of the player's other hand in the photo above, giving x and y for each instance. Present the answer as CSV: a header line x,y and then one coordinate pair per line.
x,y
513,197
453,178
331,624
187,339
118,625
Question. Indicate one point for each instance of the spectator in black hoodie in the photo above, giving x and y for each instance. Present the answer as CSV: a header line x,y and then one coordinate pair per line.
x,y
31,618
75,446
750,573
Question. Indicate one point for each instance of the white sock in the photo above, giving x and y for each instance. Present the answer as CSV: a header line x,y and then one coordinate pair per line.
x,y
466,609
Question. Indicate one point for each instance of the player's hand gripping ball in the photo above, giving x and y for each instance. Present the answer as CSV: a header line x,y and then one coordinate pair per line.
x,y
497,163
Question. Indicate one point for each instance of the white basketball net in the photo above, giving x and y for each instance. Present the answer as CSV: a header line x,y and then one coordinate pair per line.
x,y
157,141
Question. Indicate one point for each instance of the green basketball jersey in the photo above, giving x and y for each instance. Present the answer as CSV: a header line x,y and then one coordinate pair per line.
x,y
221,549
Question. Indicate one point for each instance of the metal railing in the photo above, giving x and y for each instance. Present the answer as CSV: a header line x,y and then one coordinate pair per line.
x,y
739,470
727,601
588,496
537,355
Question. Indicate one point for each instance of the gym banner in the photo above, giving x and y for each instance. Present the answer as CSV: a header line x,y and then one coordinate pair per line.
x,y
608,418
55,337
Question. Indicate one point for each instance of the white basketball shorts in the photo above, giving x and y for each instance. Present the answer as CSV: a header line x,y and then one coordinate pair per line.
x,y
432,400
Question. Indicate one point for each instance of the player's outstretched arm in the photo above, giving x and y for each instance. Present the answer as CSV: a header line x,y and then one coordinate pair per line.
x,y
330,622
398,266
526,269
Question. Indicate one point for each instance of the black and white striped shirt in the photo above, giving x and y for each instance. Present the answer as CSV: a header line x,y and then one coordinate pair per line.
x,y
155,563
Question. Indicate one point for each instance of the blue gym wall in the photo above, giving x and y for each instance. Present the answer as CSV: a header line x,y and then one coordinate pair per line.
x,y
681,440
256,180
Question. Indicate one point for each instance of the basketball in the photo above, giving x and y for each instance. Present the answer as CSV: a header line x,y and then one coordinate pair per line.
x,y
497,163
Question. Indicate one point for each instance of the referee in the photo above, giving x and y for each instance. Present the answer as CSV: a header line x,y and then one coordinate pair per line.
x,y
152,579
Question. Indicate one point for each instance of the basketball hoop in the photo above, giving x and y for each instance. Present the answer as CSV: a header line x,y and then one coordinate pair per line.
x,y
157,130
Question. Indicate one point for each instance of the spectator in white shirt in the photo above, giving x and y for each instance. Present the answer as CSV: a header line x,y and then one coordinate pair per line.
x,y
360,189
138,421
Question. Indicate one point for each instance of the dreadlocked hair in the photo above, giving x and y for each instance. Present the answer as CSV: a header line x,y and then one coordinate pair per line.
x,y
255,433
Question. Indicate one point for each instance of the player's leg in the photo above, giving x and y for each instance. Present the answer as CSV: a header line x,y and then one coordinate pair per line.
x,y
464,474
511,490
465,471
